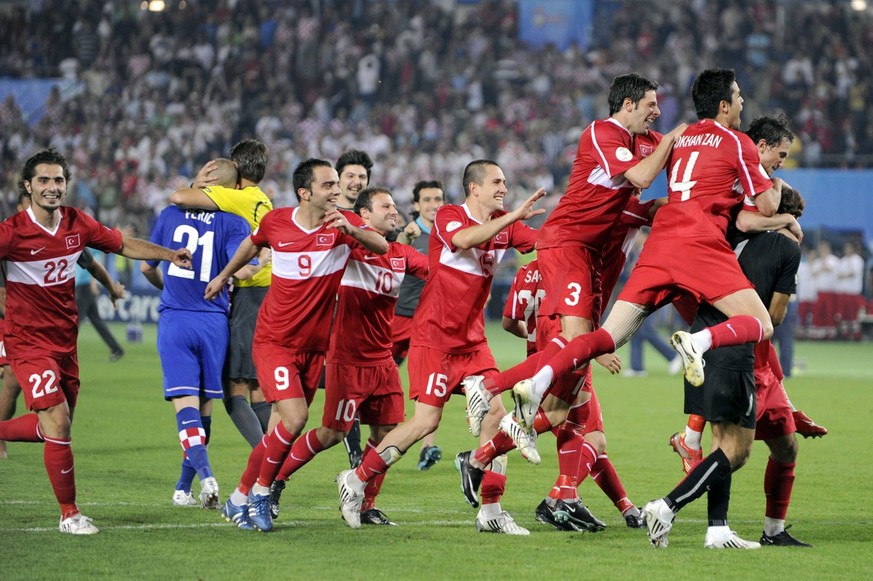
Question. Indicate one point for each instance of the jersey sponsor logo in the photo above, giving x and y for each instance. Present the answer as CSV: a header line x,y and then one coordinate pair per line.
x,y
73,241
452,226
502,238
325,239
284,244
186,422
37,250
398,264
623,154
67,471
371,257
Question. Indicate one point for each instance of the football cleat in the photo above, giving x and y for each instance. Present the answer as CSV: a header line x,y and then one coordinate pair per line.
x,y
238,515
259,512
351,493
727,539
692,358
525,441
806,427
429,456
374,516
78,524
690,457
526,403
478,400
276,489
471,478
546,515
209,494
182,498
633,518
502,523
577,516
659,520
783,539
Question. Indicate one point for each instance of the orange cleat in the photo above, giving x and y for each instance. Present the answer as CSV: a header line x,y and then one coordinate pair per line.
x,y
806,427
690,457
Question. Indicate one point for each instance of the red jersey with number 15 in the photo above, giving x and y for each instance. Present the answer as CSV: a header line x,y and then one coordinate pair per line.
x,y
451,314
362,333
41,315
307,268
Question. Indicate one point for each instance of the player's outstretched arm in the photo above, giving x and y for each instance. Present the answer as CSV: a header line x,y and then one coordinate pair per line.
x,y
140,249
755,222
768,201
152,274
116,289
644,173
481,233
244,254
194,197
369,239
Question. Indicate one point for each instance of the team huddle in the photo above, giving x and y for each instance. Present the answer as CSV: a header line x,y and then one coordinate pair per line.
x,y
265,352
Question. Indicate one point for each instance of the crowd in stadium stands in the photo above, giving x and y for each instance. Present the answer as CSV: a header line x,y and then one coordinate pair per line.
x,y
422,86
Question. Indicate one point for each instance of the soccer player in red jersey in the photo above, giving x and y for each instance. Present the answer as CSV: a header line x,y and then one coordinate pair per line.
x,y
713,169
311,245
614,156
41,246
362,377
448,341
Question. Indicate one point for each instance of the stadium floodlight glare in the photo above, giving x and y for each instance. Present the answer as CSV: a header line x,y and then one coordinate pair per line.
x,y
859,5
154,5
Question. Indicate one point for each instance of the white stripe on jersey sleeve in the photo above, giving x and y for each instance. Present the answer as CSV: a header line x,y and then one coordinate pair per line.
x,y
309,264
43,272
473,260
599,177
373,278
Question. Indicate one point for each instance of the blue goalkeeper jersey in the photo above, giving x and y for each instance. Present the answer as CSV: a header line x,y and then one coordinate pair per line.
x,y
212,238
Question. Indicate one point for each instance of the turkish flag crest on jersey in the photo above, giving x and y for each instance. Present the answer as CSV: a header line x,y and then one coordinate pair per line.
x,y
398,264
324,239
502,238
646,150
73,241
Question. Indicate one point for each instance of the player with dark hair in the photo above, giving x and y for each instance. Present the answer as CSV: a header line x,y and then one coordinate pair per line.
x,y
311,245
40,246
362,377
353,168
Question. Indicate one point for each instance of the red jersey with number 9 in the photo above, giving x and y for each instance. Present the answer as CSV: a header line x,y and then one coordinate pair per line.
x,y
41,315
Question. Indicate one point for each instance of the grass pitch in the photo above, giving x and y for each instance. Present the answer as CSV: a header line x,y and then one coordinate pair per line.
x,y
127,457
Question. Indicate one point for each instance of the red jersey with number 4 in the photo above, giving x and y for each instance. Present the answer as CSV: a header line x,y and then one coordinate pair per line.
x,y
598,191
523,302
711,170
307,268
362,331
451,314
41,315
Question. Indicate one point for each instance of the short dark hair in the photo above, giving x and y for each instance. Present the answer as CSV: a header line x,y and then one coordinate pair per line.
x,y
423,185
631,86
49,156
365,198
475,173
305,172
791,202
250,157
354,157
773,129
710,88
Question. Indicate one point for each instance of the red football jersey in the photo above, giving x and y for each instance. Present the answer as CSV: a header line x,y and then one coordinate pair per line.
x,y
523,302
621,239
307,268
711,170
597,192
41,315
367,297
451,314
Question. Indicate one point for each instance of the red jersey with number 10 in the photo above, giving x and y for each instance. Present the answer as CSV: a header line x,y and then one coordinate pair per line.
x,y
41,315
451,314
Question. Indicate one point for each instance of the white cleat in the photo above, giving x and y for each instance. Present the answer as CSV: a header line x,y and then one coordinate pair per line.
x,y
525,441
659,521
526,403
351,493
78,524
478,401
209,494
724,538
692,358
503,524
182,498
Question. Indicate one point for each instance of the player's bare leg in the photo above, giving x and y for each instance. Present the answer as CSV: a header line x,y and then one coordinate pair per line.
x,y
8,397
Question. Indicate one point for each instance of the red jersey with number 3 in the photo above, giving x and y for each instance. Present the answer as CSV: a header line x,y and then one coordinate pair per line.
x,y
307,268
598,191
451,314
367,297
712,169
41,315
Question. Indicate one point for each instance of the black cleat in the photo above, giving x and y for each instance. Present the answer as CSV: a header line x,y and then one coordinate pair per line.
x,y
635,521
783,539
471,478
545,514
577,515
275,496
429,456
374,516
